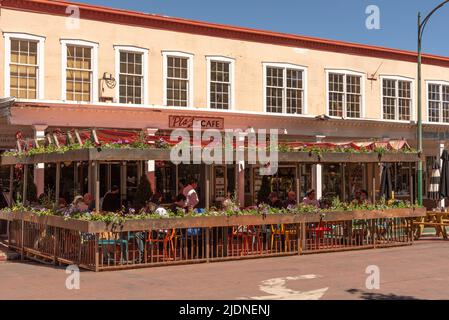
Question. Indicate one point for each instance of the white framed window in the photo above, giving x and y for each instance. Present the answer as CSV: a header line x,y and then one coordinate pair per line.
x,y
437,101
397,98
131,74
79,70
345,93
178,79
24,65
285,88
220,83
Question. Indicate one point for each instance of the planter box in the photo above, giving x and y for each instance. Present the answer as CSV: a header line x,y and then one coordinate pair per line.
x,y
94,154
210,221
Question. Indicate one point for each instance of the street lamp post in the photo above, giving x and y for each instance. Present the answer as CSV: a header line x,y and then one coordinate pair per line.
x,y
421,26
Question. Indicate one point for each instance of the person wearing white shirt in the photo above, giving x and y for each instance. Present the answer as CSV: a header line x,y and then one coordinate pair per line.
x,y
191,194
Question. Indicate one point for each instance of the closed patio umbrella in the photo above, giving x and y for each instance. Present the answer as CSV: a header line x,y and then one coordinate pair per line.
x,y
434,186
386,184
444,179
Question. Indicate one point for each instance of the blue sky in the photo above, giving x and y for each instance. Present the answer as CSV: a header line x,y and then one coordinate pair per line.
x,y
332,19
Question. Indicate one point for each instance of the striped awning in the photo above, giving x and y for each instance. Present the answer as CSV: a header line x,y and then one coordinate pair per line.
x,y
434,186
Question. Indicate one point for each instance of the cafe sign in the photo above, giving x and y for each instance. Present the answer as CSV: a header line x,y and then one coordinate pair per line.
x,y
186,122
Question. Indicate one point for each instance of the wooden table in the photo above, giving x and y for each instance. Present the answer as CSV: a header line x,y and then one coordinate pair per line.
x,y
438,220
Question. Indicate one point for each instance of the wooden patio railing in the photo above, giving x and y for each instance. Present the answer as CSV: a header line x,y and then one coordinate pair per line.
x,y
98,246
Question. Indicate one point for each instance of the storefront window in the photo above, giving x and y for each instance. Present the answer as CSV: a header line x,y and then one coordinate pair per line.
x,y
402,179
165,174
305,180
282,182
332,182
355,177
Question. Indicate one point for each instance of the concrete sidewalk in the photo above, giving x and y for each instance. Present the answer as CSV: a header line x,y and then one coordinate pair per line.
x,y
415,272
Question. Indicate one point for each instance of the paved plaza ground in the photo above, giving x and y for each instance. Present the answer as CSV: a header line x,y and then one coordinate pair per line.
x,y
413,272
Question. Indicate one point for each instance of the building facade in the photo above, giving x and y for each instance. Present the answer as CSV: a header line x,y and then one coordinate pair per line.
x,y
82,66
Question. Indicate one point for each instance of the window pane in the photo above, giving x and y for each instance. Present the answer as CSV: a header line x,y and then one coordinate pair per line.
x,y
23,69
220,85
434,97
79,74
389,99
131,77
336,94
177,81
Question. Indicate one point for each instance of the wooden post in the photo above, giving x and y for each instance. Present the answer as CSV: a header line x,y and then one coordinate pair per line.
x,y
25,183
11,185
208,168
298,238
298,181
97,186
374,183
55,246
97,254
89,177
207,244
303,236
76,178
58,184
343,181
22,245
123,182
8,228
411,185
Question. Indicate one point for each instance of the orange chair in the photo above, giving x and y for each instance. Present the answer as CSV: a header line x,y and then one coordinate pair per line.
x,y
166,239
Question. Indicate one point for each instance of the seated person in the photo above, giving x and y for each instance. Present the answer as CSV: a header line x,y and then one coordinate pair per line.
x,y
291,200
362,197
274,201
89,201
227,202
154,203
112,201
310,199
179,204
78,205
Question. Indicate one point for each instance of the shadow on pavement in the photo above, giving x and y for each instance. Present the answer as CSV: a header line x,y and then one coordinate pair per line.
x,y
379,296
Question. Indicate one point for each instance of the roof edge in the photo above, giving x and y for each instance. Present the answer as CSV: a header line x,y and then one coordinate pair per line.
x,y
139,19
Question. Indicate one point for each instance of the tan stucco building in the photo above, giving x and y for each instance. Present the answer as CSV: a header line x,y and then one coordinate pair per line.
x,y
128,70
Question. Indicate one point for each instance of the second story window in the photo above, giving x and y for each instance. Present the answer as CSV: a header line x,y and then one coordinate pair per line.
x,y
220,83
79,73
23,69
79,60
131,77
178,79
284,90
396,99
132,74
344,95
24,73
438,102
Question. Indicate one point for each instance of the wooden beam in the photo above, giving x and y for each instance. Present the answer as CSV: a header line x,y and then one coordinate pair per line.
x,y
25,184
97,185
11,185
58,184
